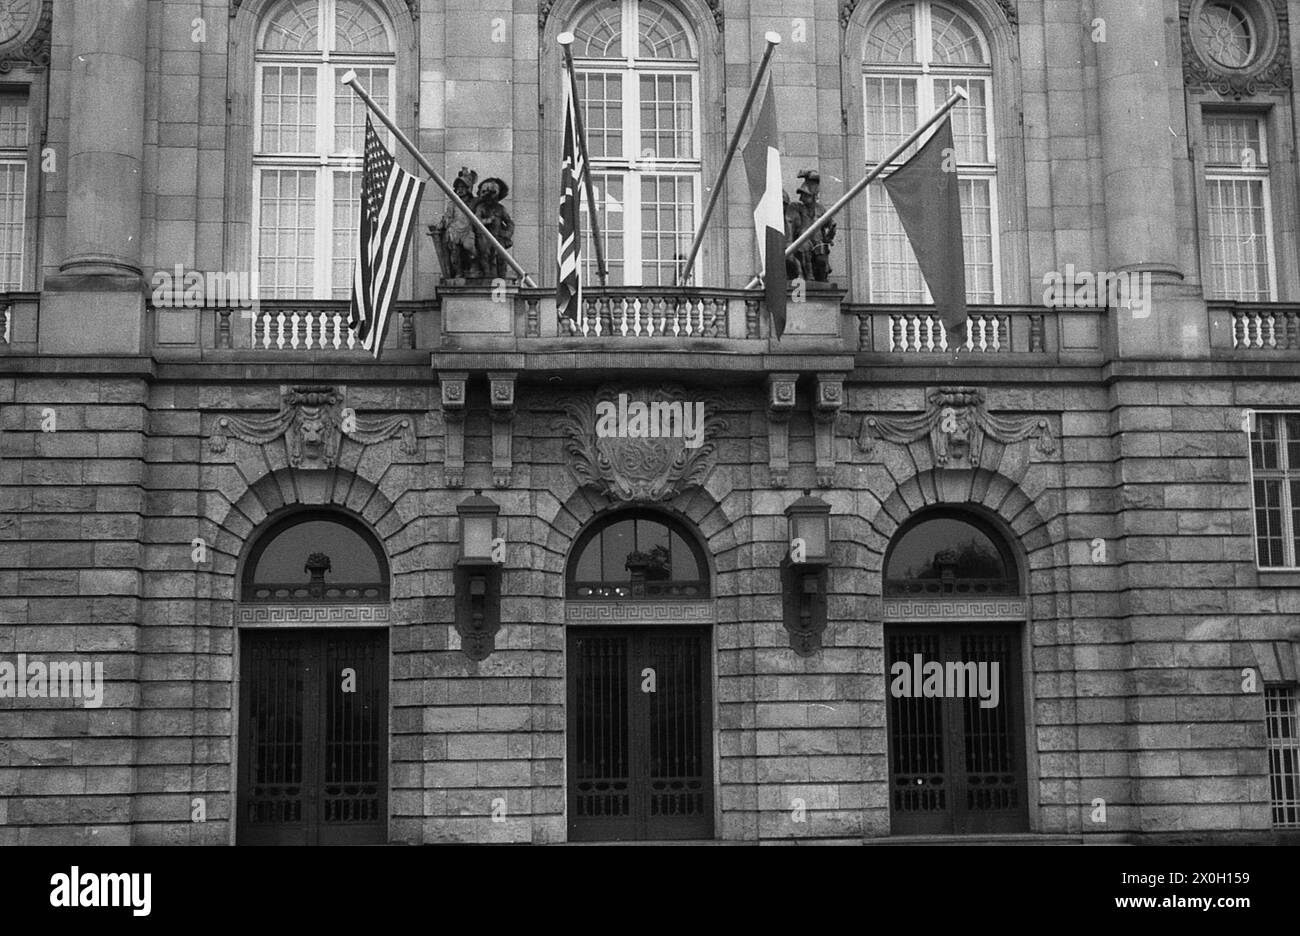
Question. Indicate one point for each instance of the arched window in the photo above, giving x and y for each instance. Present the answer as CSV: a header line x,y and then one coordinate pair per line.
x,y
916,53
637,554
637,65
312,557
949,555
308,136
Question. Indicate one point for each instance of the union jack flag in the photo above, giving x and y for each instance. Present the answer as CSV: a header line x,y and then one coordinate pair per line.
x,y
568,284
390,198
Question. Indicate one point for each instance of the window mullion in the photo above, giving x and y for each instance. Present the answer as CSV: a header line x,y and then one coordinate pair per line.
x,y
324,231
632,227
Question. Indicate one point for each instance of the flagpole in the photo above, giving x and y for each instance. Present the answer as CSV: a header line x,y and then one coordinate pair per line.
x,y
565,39
350,79
958,94
773,40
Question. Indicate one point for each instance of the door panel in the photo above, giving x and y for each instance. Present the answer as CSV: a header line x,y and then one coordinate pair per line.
x,y
957,766
313,751
640,762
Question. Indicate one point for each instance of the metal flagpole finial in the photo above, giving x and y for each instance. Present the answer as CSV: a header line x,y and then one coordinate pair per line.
x,y
565,38
349,76
773,37
961,93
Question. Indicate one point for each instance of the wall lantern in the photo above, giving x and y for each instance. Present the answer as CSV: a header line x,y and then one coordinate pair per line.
x,y
804,572
477,577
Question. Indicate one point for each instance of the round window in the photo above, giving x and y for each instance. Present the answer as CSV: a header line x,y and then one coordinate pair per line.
x,y
1227,34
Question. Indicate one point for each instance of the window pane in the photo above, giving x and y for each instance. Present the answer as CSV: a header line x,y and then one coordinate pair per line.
x,y
667,225
351,558
895,276
1264,441
13,210
618,542
947,549
1268,522
1232,141
977,239
892,37
588,567
667,117
955,40
599,34
602,113
1226,31
1294,534
350,112
662,34
295,27
685,568
1238,252
891,114
1292,425
288,109
358,29
287,229
13,120
608,189
347,221
652,540
969,120
1282,733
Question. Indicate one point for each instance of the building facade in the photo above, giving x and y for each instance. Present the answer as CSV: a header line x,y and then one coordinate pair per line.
x,y
659,574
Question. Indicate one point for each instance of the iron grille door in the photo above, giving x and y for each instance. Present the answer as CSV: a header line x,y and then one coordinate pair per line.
x,y
354,755
600,738
275,782
920,788
640,762
313,757
955,766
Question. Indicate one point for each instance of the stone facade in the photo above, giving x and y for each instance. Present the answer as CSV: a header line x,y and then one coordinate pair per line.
x,y
109,474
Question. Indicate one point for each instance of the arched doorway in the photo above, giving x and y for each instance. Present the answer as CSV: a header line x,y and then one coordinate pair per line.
x,y
313,685
640,725
954,616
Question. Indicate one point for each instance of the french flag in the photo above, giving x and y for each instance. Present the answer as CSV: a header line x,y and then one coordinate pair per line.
x,y
763,166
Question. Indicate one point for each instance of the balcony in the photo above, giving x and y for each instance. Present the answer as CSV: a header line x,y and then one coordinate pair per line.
x,y
674,331
1261,331
890,335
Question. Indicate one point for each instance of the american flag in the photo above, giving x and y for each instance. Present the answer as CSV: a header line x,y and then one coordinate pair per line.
x,y
390,198
568,284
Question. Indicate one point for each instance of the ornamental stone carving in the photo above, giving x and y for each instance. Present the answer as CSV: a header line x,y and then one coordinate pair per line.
x,y
957,423
313,422
1270,70
25,34
641,443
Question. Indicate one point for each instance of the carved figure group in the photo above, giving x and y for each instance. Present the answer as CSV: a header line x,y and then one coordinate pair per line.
x,y
462,250
811,262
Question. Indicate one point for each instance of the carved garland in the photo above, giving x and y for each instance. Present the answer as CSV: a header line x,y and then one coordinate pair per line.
x,y
312,424
956,422
1008,8
1271,74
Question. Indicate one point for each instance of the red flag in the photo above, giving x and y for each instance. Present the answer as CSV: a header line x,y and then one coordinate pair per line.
x,y
763,166
926,195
